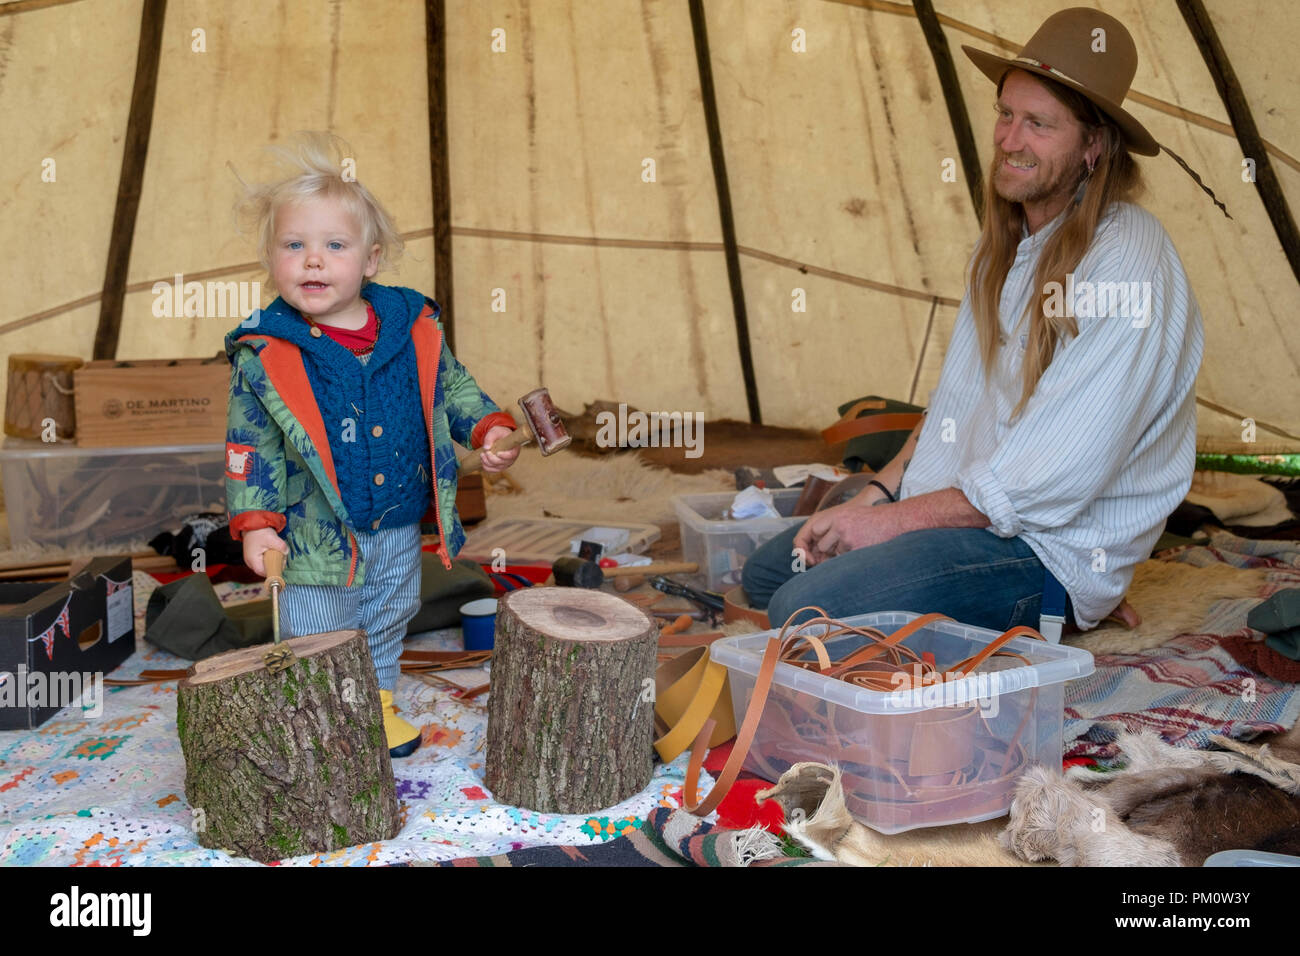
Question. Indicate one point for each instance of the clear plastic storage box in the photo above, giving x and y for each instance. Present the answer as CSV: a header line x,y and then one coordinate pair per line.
x,y
66,496
721,545
949,753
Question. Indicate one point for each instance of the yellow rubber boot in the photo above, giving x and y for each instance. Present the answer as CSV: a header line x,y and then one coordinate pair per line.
x,y
403,738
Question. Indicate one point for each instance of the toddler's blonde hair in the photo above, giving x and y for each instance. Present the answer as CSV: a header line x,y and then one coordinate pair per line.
x,y
313,168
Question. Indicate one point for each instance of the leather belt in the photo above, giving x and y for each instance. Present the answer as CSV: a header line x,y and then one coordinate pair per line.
x,y
851,426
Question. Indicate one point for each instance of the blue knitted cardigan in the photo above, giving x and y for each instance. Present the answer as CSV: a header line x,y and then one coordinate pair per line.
x,y
355,398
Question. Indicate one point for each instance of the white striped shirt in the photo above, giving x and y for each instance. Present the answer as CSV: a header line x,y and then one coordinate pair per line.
x,y
1105,448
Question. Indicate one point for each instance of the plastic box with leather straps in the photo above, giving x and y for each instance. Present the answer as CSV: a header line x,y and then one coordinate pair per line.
x,y
946,753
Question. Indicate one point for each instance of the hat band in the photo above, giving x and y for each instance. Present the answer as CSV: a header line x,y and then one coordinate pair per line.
x,y
1050,69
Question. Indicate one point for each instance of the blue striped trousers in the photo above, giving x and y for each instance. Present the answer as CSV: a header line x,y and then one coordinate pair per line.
x,y
382,606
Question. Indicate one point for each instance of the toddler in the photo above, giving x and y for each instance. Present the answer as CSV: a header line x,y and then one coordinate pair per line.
x,y
344,404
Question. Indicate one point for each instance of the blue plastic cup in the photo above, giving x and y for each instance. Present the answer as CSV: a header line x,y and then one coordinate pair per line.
x,y
478,622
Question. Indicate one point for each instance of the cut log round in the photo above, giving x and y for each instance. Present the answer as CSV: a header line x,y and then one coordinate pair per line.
x,y
571,709
289,763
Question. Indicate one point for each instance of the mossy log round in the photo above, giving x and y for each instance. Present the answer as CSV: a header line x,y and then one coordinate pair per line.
x,y
571,710
289,763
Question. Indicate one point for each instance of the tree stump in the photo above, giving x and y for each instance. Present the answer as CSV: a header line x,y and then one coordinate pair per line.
x,y
289,763
571,709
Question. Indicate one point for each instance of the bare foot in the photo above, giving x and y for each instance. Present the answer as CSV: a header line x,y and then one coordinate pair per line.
x,y
1125,614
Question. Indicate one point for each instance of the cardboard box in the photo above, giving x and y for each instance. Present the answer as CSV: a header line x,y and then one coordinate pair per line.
x,y
57,641
152,401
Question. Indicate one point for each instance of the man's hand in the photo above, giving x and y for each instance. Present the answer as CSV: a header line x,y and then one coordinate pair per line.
x,y
256,543
498,461
844,528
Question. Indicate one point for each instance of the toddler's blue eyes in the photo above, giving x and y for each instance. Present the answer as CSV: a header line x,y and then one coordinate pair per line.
x,y
334,245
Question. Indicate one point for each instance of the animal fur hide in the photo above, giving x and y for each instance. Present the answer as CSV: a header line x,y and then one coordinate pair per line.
x,y
1238,499
1167,807
620,487
1172,599
812,797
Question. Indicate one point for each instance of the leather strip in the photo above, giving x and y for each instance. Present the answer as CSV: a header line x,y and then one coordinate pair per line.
x,y
847,427
147,677
736,607
425,662
745,737
690,691
690,640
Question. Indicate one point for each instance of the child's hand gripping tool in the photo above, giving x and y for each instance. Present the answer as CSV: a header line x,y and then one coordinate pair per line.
x,y
278,656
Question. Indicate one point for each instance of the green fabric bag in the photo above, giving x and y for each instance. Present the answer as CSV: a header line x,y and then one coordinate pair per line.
x,y
185,617
1279,618
884,438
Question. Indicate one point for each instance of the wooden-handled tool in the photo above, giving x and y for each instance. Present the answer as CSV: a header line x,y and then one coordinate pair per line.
x,y
280,656
544,426
571,572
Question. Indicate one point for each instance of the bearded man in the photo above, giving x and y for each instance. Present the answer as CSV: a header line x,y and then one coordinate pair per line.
x,y
1062,432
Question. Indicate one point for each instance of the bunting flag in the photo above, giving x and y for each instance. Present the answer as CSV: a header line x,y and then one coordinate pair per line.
x,y
115,586
61,622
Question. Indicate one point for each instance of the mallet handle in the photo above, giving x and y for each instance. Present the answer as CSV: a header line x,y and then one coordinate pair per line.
x,y
474,460
666,567
274,561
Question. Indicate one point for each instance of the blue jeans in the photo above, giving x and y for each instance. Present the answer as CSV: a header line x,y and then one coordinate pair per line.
x,y
969,574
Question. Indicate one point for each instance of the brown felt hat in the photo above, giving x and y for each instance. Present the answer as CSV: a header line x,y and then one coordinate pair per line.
x,y
1087,50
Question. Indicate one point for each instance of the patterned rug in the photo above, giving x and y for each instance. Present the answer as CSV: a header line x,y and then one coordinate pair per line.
x,y
1191,687
665,838
109,790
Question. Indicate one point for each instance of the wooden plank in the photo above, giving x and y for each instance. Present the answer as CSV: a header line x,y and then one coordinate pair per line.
x,y
435,18
131,179
958,116
699,31
1243,123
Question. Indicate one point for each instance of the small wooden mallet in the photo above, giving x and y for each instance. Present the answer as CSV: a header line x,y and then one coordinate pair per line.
x,y
545,427
572,572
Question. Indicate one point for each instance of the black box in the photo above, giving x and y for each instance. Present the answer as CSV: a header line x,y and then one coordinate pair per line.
x,y
60,637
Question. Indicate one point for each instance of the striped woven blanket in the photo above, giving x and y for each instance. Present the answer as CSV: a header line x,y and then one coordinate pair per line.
x,y
1191,687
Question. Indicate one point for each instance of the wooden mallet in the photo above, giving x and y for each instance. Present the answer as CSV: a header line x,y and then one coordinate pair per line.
x,y
571,572
545,427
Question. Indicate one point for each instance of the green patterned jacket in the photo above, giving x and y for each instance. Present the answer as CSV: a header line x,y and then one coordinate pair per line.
x,y
279,468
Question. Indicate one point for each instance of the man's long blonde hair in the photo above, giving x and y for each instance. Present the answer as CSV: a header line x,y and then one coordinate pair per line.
x,y
1116,177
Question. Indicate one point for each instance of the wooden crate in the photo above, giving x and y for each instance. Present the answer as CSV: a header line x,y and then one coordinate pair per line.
x,y
152,402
